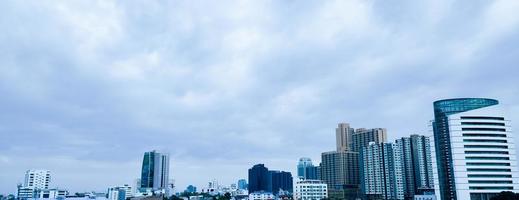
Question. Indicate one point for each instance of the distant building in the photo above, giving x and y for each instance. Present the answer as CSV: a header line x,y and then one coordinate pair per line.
x,y
155,171
280,182
37,179
340,170
261,196
416,165
474,149
259,179
306,170
50,194
425,197
310,190
381,172
343,137
362,137
191,189
120,192
242,184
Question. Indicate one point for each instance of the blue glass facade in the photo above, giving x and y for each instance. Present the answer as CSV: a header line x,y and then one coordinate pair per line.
x,y
281,181
242,184
442,109
258,178
147,173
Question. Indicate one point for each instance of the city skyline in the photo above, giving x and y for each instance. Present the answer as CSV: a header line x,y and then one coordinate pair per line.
x,y
224,86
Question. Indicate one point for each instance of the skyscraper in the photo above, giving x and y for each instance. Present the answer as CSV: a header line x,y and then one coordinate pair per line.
x,y
340,171
37,179
155,171
280,180
381,172
417,164
474,149
259,179
343,134
306,170
362,137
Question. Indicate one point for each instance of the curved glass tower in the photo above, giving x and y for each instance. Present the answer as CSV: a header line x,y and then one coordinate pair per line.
x,y
475,151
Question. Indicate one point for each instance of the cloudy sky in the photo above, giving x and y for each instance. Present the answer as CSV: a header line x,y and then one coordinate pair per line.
x,y
87,86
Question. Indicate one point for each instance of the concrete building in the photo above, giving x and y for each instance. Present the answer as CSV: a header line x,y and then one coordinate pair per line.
x,y
259,179
340,171
362,137
474,149
381,172
50,193
310,190
155,171
343,134
261,196
120,192
37,179
417,165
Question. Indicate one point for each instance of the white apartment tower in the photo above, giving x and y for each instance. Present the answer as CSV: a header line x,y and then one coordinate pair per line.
x,y
37,179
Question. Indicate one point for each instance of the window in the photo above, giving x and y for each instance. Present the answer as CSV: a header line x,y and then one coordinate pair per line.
x,y
488,164
483,140
487,146
482,117
483,123
484,129
486,152
483,135
487,170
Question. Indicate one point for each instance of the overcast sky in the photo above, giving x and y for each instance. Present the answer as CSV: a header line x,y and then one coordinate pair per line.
x,y
86,87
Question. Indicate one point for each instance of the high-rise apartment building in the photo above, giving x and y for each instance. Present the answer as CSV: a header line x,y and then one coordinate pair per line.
x,y
340,170
362,137
281,181
417,165
474,149
263,180
259,179
37,179
381,172
155,171
343,134
306,170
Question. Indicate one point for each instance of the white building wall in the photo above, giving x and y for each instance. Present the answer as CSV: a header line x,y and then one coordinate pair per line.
x,y
459,148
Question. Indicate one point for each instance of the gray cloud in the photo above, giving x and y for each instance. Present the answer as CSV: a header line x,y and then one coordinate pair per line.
x,y
88,87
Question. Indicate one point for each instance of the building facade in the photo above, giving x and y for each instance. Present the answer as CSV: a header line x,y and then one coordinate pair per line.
x,y
310,190
259,179
37,179
340,170
242,184
362,137
281,182
155,171
381,172
416,164
474,149
261,196
343,134
306,170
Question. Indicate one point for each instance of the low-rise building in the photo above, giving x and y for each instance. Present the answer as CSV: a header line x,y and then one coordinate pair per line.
x,y
310,190
261,196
